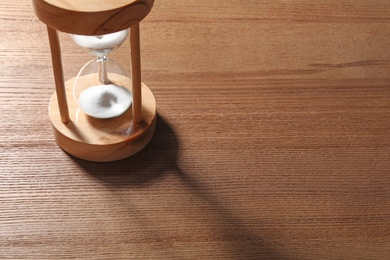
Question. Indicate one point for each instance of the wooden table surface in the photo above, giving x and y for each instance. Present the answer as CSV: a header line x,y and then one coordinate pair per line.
x,y
273,138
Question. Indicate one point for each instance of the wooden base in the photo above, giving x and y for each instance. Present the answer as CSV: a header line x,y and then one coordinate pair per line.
x,y
103,140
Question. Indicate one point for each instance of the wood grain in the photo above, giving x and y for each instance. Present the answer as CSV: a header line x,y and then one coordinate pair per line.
x,y
272,140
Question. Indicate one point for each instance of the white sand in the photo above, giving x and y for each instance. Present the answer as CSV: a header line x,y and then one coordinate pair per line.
x,y
103,42
105,101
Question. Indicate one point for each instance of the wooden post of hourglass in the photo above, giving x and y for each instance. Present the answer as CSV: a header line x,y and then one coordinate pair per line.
x,y
136,73
58,74
82,136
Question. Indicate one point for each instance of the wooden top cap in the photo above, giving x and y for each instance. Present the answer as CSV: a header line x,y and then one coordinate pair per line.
x,y
91,17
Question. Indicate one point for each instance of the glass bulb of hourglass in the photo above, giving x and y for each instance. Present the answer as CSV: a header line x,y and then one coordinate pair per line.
x,y
102,88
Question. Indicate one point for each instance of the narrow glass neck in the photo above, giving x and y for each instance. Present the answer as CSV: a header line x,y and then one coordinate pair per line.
x,y
102,70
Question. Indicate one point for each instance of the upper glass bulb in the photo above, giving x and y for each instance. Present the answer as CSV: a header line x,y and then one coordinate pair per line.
x,y
101,45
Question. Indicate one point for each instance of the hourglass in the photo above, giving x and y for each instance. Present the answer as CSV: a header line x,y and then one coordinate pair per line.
x,y
98,94
104,113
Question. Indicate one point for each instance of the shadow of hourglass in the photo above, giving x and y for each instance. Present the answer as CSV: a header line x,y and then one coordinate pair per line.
x,y
155,160
158,160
